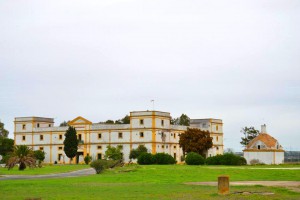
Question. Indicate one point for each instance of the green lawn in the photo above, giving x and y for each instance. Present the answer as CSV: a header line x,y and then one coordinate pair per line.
x,y
47,169
151,182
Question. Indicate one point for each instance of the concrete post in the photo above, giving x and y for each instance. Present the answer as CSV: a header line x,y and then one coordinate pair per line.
x,y
223,184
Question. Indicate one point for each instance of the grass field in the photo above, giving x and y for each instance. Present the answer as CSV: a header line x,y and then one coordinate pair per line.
x,y
47,169
151,182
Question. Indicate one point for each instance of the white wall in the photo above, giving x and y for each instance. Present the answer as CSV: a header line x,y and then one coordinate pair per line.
x,y
267,157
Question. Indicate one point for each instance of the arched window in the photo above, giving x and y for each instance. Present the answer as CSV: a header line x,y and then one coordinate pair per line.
x,y
258,146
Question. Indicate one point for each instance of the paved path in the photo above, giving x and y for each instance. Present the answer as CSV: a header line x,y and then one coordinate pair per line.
x,y
83,172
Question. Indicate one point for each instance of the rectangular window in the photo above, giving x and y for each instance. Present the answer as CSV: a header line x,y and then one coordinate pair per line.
x,y
174,136
217,128
49,125
60,148
174,147
99,147
141,134
162,122
175,156
23,126
99,156
23,137
217,138
79,136
42,148
38,125
60,137
41,137
99,135
120,135
141,122
162,146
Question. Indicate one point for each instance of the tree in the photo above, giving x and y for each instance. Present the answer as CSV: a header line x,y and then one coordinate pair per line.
x,y
114,153
125,120
174,121
195,140
183,120
135,153
109,121
64,123
39,156
249,134
6,146
71,143
3,131
22,155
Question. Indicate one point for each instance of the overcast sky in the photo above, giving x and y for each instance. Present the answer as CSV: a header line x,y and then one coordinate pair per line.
x,y
234,60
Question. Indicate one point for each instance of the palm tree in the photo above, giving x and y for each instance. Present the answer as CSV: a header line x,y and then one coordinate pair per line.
x,y
22,155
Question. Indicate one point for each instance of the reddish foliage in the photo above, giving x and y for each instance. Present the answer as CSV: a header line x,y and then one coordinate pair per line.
x,y
195,140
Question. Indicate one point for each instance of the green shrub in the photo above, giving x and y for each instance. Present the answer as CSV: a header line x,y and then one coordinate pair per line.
x,y
5,159
242,161
39,156
87,159
226,159
146,159
135,153
101,165
164,159
159,158
193,158
215,160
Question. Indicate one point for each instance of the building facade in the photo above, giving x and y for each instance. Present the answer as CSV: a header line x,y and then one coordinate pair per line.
x,y
264,148
149,128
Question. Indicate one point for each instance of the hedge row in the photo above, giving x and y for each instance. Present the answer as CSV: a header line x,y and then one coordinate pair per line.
x,y
159,159
192,158
226,159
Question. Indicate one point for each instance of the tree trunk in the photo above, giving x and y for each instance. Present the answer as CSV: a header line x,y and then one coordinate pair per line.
x,y
22,166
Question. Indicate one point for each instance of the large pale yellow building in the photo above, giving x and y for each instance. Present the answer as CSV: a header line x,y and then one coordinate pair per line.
x,y
149,128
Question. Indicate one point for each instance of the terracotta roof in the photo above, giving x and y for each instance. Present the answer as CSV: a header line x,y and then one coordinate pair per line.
x,y
268,140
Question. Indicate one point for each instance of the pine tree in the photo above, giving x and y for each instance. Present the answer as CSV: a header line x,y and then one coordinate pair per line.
x,y
249,134
71,143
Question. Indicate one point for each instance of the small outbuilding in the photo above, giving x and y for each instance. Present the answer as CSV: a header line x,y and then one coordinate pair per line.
x,y
264,148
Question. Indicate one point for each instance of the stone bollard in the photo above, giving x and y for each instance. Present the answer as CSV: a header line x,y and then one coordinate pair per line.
x,y
223,184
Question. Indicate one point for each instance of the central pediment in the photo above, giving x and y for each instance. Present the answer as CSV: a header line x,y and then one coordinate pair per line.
x,y
79,120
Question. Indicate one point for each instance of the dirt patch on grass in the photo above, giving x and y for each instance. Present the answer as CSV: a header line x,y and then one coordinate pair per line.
x,y
291,185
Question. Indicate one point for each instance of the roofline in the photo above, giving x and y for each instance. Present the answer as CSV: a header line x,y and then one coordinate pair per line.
x,y
205,118
151,111
35,117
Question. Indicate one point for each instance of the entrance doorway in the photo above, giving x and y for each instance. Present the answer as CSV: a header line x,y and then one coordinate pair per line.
x,y
78,156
